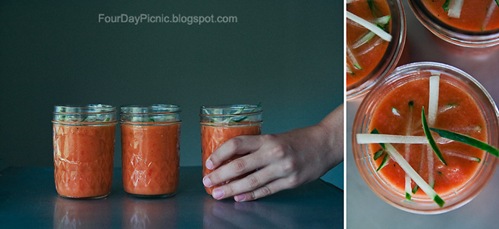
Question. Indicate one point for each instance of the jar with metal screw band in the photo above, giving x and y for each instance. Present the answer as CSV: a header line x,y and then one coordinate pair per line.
x,y
150,149
83,138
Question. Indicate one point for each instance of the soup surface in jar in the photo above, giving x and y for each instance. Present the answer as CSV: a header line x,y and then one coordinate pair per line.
x,y
365,51
399,113
213,136
473,16
150,158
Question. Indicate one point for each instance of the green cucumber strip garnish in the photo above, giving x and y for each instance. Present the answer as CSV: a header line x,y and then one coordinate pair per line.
x,y
372,6
378,154
415,189
383,162
467,140
432,142
408,196
445,6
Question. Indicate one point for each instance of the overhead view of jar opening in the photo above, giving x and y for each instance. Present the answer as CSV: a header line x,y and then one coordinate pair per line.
x,y
375,39
424,139
466,23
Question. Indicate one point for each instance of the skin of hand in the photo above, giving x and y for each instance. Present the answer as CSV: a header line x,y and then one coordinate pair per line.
x,y
275,162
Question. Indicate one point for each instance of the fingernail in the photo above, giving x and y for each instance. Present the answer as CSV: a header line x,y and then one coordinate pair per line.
x,y
209,164
218,193
240,198
207,182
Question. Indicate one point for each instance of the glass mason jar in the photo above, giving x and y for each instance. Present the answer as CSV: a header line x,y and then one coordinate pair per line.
x,y
395,105
150,149
221,123
83,138
375,58
475,26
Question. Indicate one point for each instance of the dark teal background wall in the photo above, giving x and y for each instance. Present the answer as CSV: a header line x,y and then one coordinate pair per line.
x,y
288,55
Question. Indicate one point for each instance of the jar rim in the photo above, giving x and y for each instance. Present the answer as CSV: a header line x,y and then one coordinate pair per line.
x,y
158,108
230,109
89,108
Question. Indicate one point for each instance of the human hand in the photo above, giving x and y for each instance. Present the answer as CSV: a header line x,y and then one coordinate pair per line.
x,y
271,163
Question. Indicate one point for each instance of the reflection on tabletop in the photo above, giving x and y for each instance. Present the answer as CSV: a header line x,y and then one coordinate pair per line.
x,y
72,213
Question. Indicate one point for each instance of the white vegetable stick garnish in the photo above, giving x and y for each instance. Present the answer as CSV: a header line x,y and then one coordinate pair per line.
x,y
394,139
353,59
455,7
370,26
429,157
389,138
462,156
491,9
408,132
395,155
433,103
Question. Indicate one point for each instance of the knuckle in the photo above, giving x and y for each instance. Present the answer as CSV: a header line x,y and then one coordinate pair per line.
x,y
234,144
293,181
289,166
239,165
264,191
253,182
278,151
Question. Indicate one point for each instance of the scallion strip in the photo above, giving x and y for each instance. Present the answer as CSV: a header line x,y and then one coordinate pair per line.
x,y
432,142
467,140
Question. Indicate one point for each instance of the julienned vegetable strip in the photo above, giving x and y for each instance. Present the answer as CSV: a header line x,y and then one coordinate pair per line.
x,y
389,138
407,155
395,155
455,7
370,26
432,142
490,11
467,140
434,89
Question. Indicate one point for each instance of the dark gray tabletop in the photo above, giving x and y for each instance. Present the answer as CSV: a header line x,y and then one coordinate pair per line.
x,y
28,200
364,208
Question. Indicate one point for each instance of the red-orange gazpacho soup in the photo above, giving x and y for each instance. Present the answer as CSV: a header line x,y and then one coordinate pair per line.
x,y
83,159
365,50
467,15
150,158
213,136
399,113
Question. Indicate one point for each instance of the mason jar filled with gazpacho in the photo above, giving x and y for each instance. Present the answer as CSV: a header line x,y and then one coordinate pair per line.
x,y
150,138
467,23
83,138
375,38
221,123
425,138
